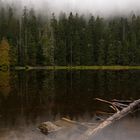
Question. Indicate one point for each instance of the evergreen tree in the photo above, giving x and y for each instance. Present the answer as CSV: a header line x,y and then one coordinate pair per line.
x,y
101,57
88,50
70,40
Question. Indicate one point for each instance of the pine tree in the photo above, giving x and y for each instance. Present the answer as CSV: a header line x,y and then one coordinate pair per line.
x,y
89,48
101,56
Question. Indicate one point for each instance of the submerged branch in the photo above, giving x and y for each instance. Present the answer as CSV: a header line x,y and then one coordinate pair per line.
x,y
120,114
92,129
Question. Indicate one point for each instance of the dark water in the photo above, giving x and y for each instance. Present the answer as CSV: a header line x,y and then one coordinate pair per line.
x,y
29,98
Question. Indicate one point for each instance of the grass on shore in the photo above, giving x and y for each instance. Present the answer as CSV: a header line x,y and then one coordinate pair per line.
x,y
79,68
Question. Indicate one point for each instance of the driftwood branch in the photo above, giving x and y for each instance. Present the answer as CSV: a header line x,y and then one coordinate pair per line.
x,y
123,101
120,114
113,106
121,107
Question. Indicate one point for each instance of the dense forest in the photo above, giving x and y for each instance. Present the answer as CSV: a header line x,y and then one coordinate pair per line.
x,y
69,40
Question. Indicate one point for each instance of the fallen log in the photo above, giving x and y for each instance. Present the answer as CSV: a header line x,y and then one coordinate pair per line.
x,y
63,124
118,115
48,127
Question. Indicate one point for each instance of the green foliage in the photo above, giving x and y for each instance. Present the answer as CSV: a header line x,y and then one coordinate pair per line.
x,y
70,40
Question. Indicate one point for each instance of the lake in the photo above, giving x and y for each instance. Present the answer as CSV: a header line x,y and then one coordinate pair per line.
x,y
28,98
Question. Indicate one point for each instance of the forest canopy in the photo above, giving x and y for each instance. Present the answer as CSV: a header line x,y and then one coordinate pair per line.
x,y
69,40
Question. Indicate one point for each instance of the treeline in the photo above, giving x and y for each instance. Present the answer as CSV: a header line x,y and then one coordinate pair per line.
x,y
72,39
24,34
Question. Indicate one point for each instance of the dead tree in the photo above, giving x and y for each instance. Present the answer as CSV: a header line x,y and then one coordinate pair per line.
x,y
121,108
118,115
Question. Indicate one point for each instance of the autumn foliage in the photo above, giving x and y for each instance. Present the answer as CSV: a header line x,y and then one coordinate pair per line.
x,y
4,52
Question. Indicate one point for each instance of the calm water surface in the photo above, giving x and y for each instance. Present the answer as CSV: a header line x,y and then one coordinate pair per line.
x,y
29,98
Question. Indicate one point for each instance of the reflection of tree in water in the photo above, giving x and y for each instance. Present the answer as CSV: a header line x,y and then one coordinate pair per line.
x,y
75,90
4,61
30,93
5,93
5,83
24,100
39,95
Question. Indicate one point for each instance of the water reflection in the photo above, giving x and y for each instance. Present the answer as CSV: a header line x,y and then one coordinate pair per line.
x,y
28,98
4,83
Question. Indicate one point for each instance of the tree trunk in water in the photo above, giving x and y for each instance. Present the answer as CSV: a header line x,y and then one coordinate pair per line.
x,y
120,114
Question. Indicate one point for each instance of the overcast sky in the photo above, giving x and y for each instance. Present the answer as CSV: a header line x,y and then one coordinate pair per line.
x,y
104,7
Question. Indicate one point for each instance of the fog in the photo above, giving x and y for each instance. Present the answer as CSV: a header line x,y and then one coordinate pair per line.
x,y
96,7
126,129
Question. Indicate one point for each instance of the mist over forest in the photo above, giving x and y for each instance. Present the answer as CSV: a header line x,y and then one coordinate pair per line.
x,y
104,8
59,59
37,36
